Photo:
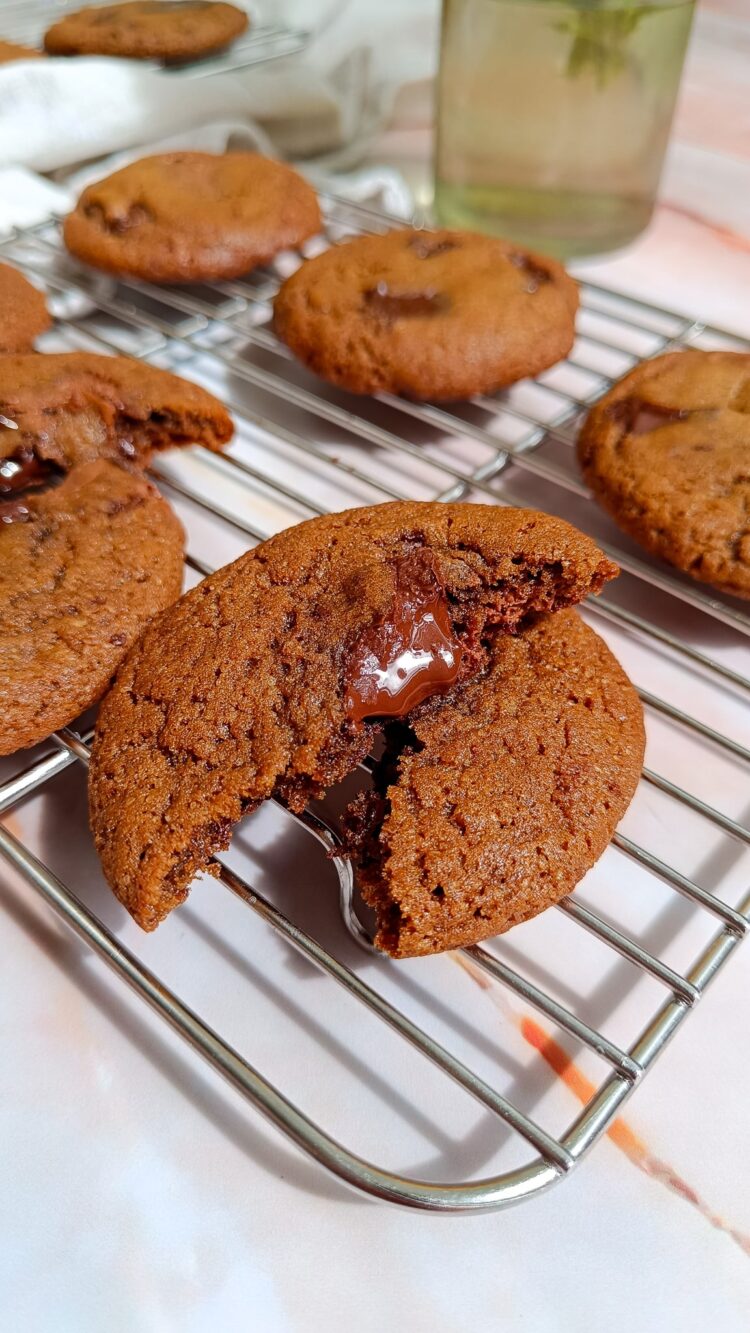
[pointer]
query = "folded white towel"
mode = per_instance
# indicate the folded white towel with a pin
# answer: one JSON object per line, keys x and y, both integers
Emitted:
{"x": 57, "y": 112}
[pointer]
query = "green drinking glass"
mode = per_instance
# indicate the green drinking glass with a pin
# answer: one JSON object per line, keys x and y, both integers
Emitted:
{"x": 553, "y": 117}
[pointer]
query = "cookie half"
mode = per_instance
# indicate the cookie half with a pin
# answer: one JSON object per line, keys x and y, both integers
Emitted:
{"x": 23, "y": 311}
{"x": 71, "y": 407}
{"x": 192, "y": 217}
{"x": 83, "y": 568}
{"x": 169, "y": 30}
{"x": 272, "y": 677}
{"x": 667, "y": 452}
{"x": 438, "y": 315}
{"x": 492, "y": 805}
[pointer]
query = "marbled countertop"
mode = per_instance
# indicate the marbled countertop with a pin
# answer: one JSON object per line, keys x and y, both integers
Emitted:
{"x": 139, "y": 1196}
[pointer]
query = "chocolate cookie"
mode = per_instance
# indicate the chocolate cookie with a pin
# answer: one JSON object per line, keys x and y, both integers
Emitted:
{"x": 72, "y": 407}
{"x": 493, "y": 806}
{"x": 192, "y": 217}
{"x": 89, "y": 550}
{"x": 24, "y": 311}
{"x": 439, "y": 315}
{"x": 13, "y": 51}
{"x": 667, "y": 451}
{"x": 274, "y": 675}
{"x": 169, "y": 30}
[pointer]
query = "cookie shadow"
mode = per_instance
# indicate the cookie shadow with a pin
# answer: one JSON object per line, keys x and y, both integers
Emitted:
{"x": 180, "y": 1072}
{"x": 283, "y": 869}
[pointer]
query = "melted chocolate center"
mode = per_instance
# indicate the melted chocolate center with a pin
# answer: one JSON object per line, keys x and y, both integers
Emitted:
{"x": 639, "y": 418}
{"x": 22, "y": 474}
{"x": 390, "y": 306}
{"x": 413, "y": 654}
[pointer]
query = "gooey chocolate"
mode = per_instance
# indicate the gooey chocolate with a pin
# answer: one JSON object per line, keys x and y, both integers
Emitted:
{"x": 401, "y": 661}
{"x": 20, "y": 474}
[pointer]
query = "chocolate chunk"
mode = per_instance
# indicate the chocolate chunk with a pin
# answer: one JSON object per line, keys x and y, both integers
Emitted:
{"x": 414, "y": 654}
{"x": 14, "y": 511}
{"x": 21, "y": 473}
{"x": 639, "y": 417}
{"x": 119, "y": 223}
{"x": 536, "y": 274}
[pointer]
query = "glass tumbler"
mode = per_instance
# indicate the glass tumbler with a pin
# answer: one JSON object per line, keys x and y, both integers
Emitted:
{"x": 553, "y": 117}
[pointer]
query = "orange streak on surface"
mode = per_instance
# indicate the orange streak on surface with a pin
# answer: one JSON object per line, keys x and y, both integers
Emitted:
{"x": 731, "y": 238}
{"x": 558, "y": 1059}
{"x": 620, "y": 1133}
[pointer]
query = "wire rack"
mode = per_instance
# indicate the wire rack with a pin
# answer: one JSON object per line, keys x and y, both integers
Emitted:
{"x": 302, "y": 449}
{"x": 26, "y": 21}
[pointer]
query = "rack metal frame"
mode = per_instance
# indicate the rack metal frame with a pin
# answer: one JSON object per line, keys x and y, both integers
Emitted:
{"x": 185, "y": 327}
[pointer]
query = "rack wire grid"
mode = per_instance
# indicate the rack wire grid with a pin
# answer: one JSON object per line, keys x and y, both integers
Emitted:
{"x": 303, "y": 448}
{"x": 26, "y": 21}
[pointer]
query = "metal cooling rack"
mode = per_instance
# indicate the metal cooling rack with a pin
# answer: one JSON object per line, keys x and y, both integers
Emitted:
{"x": 26, "y": 21}
{"x": 320, "y": 449}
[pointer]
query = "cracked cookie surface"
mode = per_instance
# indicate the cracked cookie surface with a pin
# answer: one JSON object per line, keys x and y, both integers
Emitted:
{"x": 89, "y": 549}
{"x": 169, "y": 30}
{"x": 440, "y": 315}
{"x": 667, "y": 452}
{"x": 94, "y": 560}
{"x": 241, "y": 691}
{"x": 192, "y": 217}
{"x": 23, "y": 311}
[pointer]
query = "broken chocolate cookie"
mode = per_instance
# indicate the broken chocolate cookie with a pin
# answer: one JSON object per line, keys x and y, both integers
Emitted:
{"x": 275, "y": 676}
